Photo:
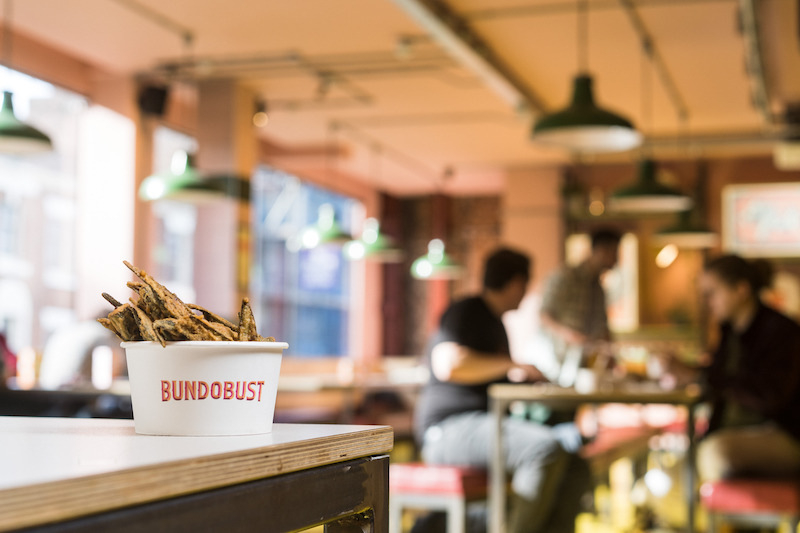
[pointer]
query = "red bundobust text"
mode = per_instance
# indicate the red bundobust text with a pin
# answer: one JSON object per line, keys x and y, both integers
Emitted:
{"x": 216, "y": 390}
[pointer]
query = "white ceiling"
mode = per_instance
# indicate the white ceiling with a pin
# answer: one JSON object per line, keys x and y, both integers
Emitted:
{"x": 435, "y": 114}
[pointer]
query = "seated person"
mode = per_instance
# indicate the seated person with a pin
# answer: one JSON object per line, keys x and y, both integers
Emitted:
{"x": 753, "y": 380}
{"x": 468, "y": 353}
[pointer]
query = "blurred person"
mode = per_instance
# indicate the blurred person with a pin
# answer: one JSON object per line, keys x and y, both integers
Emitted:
{"x": 469, "y": 352}
{"x": 67, "y": 355}
{"x": 573, "y": 310}
{"x": 753, "y": 379}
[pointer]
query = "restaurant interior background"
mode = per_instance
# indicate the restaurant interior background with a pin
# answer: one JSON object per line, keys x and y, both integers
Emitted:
{"x": 416, "y": 112}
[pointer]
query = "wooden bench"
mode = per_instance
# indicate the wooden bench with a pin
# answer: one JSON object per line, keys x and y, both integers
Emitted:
{"x": 752, "y": 502}
{"x": 434, "y": 487}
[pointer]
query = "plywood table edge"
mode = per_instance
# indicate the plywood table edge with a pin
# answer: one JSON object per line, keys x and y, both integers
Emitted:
{"x": 67, "y": 499}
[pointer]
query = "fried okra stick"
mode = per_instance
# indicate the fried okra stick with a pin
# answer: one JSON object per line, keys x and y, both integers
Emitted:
{"x": 123, "y": 318}
{"x": 247, "y": 323}
{"x": 159, "y": 301}
{"x": 211, "y": 317}
{"x": 146, "y": 329}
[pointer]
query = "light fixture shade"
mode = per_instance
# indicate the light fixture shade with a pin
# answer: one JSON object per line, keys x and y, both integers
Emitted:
{"x": 687, "y": 234}
{"x": 325, "y": 231}
{"x": 373, "y": 245}
{"x": 647, "y": 195}
{"x": 436, "y": 264}
{"x": 183, "y": 183}
{"x": 585, "y": 127}
{"x": 16, "y": 137}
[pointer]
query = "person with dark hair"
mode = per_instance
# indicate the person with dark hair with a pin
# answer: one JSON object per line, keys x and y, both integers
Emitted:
{"x": 753, "y": 380}
{"x": 469, "y": 352}
{"x": 573, "y": 309}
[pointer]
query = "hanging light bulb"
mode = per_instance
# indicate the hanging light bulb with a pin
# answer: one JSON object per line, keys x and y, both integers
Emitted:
{"x": 666, "y": 256}
{"x": 436, "y": 264}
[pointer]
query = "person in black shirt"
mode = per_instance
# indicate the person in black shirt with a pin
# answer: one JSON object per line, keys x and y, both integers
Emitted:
{"x": 469, "y": 352}
{"x": 753, "y": 380}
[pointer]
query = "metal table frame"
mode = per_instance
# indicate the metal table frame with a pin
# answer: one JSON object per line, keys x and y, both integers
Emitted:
{"x": 502, "y": 395}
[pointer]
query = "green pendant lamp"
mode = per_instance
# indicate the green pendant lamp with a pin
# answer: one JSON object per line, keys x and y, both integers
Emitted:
{"x": 373, "y": 245}
{"x": 326, "y": 230}
{"x": 585, "y": 127}
{"x": 16, "y": 137}
{"x": 688, "y": 233}
{"x": 647, "y": 195}
{"x": 436, "y": 264}
{"x": 183, "y": 183}
{"x": 691, "y": 231}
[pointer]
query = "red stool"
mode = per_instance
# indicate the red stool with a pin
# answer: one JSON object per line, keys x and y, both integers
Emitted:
{"x": 434, "y": 487}
{"x": 752, "y": 502}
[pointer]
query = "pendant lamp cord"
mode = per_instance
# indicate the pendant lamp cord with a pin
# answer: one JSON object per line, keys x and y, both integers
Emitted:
{"x": 7, "y": 12}
{"x": 583, "y": 37}
{"x": 647, "y": 93}
{"x": 375, "y": 151}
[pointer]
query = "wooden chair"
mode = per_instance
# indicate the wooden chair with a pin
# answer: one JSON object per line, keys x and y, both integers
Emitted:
{"x": 752, "y": 502}
{"x": 434, "y": 488}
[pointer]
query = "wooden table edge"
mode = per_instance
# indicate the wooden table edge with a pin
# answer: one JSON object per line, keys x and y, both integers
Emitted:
{"x": 55, "y": 501}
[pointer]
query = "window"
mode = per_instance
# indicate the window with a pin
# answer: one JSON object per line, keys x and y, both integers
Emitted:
{"x": 302, "y": 295}
{"x": 38, "y": 214}
{"x": 176, "y": 221}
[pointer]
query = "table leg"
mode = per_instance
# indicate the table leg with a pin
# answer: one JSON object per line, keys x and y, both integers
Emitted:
{"x": 497, "y": 470}
{"x": 690, "y": 470}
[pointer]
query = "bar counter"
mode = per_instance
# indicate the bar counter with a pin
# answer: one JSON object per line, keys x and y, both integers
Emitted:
{"x": 59, "y": 474}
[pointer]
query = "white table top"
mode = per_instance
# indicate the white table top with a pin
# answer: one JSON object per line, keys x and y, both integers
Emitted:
{"x": 57, "y": 468}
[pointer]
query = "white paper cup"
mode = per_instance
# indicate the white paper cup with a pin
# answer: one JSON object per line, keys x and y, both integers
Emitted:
{"x": 203, "y": 387}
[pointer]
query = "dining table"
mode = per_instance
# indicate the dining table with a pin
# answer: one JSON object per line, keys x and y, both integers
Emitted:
{"x": 502, "y": 395}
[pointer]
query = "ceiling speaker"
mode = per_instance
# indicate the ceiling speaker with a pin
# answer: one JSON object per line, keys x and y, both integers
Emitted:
{"x": 153, "y": 99}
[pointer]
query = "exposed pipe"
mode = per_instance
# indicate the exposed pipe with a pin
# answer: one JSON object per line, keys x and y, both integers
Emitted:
{"x": 553, "y": 8}
{"x": 454, "y": 34}
{"x": 165, "y": 22}
{"x": 755, "y": 59}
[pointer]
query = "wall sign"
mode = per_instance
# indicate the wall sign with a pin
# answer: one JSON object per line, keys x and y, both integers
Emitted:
{"x": 762, "y": 220}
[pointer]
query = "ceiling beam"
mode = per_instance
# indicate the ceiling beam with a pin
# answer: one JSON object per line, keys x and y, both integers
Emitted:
{"x": 455, "y": 35}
